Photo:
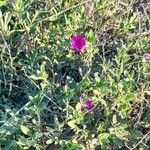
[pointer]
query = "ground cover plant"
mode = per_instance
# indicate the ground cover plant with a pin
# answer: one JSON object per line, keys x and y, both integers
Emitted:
{"x": 74, "y": 74}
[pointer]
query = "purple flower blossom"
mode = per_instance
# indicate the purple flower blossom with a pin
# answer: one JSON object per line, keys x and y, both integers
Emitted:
{"x": 90, "y": 8}
{"x": 77, "y": 42}
{"x": 147, "y": 57}
{"x": 87, "y": 105}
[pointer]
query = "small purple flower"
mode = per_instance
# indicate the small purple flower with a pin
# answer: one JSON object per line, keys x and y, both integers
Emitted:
{"x": 147, "y": 57}
{"x": 87, "y": 105}
{"x": 90, "y": 8}
{"x": 77, "y": 42}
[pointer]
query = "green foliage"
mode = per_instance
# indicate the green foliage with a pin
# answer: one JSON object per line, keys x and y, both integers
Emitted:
{"x": 43, "y": 82}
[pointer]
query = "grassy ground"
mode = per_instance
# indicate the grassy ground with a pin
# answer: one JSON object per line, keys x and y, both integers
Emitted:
{"x": 43, "y": 82}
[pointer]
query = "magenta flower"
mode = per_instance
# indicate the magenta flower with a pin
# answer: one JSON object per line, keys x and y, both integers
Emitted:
{"x": 87, "y": 105}
{"x": 77, "y": 42}
{"x": 147, "y": 57}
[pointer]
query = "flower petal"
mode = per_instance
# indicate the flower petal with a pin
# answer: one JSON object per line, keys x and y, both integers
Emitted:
{"x": 77, "y": 42}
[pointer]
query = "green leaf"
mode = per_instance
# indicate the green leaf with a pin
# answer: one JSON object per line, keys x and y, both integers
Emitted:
{"x": 136, "y": 134}
{"x": 72, "y": 124}
{"x": 2, "y": 3}
{"x": 119, "y": 142}
{"x": 37, "y": 135}
{"x": 33, "y": 77}
{"x": 50, "y": 141}
{"x": 104, "y": 135}
{"x": 114, "y": 119}
{"x": 133, "y": 18}
{"x": 24, "y": 129}
{"x": 104, "y": 138}
{"x": 78, "y": 106}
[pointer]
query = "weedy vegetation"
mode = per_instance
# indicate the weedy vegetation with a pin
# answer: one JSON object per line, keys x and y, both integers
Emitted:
{"x": 74, "y": 74}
